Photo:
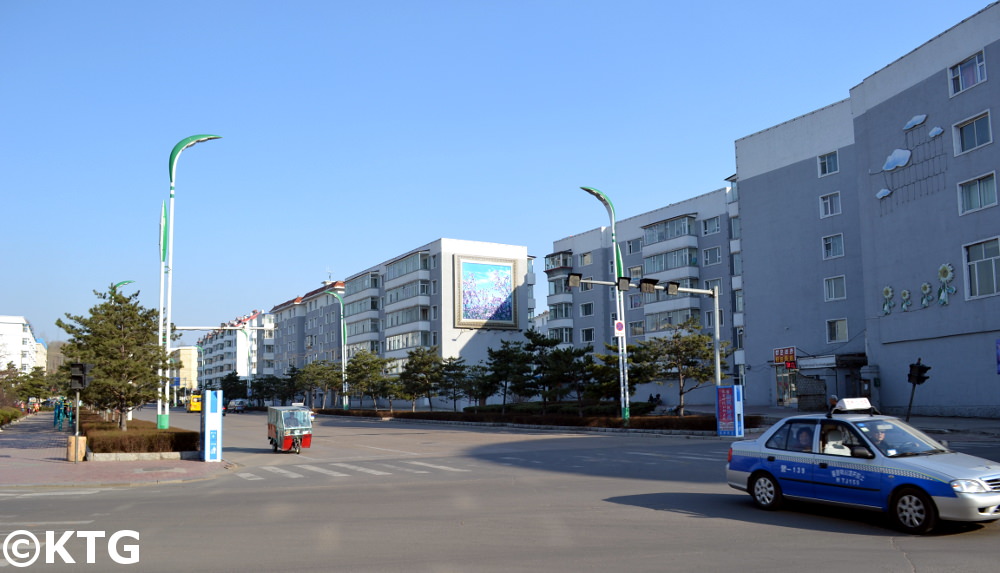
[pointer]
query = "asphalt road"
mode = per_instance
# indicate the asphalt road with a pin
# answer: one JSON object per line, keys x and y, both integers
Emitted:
{"x": 391, "y": 496}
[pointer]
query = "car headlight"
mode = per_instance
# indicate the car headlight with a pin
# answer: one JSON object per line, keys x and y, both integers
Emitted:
{"x": 969, "y": 486}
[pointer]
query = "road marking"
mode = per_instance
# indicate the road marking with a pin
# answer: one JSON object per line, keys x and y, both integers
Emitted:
{"x": 250, "y": 477}
{"x": 393, "y": 451}
{"x": 400, "y": 469}
{"x": 281, "y": 471}
{"x": 323, "y": 471}
{"x": 362, "y": 470}
{"x": 445, "y": 468}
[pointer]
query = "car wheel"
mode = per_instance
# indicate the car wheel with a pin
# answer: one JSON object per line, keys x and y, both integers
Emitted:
{"x": 765, "y": 491}
{"x": 913, "y": 511}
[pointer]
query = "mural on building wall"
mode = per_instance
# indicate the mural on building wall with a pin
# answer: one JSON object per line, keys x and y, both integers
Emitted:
{"x": 946, "y": 274}
{"x": 485, "y": 290}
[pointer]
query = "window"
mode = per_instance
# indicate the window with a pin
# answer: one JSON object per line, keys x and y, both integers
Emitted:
{"x": 710, "y": 284}
{"x": 828, "y": 164}
{"x": 587, "y": 286}
{"x": 967, "y": 74}
{"x": 668, "y": 230}
{"x": 833, "y": 246}
{"x": 587, "y": 335}
{"x": 560, "y": 311}
{"x": 829, "y": 205}
{"x": 836, "y": 330}
{"x": 662, "y": 320}
{"x": 587, "y": 309}
{"x": 983, "y": 260}
{"x": 665, "y": 261}
{"x": 737, "y": 259}
{"x": 710, "y": 318}
{"x": 558, "y": 286}
{"x": 635, "y": 272}
{"x": 735, "y": 230}
{"x": 633, "y": 246}
{"x": 710, "y": 226}
{"x": 635, "y": 328}
{"x": 712, "y": 256}
{"x": 738, "y": 300}
{"x": 586, "y": 259}
{"x": 834, "y": 288}
{"x": 563, "y": 335}
{"x": 978, "y": 194}
{"x": 973, "y": 133}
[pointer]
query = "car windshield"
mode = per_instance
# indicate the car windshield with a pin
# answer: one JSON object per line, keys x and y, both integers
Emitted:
{"x": 895, "y": 438}
{"x": 296, "y": 419}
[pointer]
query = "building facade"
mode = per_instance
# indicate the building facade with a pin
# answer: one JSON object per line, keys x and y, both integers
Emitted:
{"x": 872, "y": 238}
{"x": 690, "y": 243}
{"x": 463, "y": 297}
{"x": 18, "y": 344}
{"x": 244, "y": 345}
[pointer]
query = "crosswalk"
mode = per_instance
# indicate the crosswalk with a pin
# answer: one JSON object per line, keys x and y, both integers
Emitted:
{"x": 345, "y": 470}
{"x": 341, "y": 470}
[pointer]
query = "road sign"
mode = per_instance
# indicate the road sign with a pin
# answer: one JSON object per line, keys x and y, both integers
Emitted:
{"x": 619, "y": 328}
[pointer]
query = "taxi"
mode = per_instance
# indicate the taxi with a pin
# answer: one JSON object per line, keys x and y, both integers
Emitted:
{"x": 854, "y": 457}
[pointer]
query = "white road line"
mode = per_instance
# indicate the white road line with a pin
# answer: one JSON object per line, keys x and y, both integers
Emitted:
{"x": 250, "y": 477}
{"x": 445, "y": 468}
{"x": 401, "y": 469}
{"x": 393, "y": 451}
{"x": 362, "y": 470}
{"x": 323, "y": 471}
{"x": 281, "y": 471}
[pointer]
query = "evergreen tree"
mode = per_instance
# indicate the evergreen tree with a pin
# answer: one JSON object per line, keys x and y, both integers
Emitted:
{"x": 454, "y": 379}
{"x": 509, "y": 366}
{"x": 479, "y": 385}
{"x": 366, "y": 375}
{"x": 322, "y": 374}
{"x": 684, "y": 356}
{"x": 119, "y": 338}
{"x": 421, "y": 374}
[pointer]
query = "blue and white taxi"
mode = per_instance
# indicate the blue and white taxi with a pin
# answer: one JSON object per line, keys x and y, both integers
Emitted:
{"x": 855, "y": 458}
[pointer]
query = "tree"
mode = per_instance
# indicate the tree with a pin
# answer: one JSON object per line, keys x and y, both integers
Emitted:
{"x": 606, "y": 377}
{"x": 232, "y": 386}
{"x": 509, "y": 365}
{"x": 265, "y": 388}
{"x": 479, "y": 385}
{"x": 684, "y": 355}
{"x": 540, "y": 349}
{"x": 366, "y": 375}
{"x": 119, "y": 338}
{"x": 454, "y": 376}
{"x": 421, "y": 374}
{"x": 567, "y": 371}
{"x": 321, "y": 374}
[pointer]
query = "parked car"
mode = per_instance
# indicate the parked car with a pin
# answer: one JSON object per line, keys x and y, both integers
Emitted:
{"x": 237, "y": 405}
{"x": 854, "y": 457}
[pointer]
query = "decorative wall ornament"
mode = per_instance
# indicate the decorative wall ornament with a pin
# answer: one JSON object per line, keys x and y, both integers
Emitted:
{"x": 917, "y": 120}
{"x": 887, "y": 304}
{"x": 946, "y": 274}
{"x": 926, "y": 295}
{"x": 898, "y": 158}
{"x": 905, "y": 295}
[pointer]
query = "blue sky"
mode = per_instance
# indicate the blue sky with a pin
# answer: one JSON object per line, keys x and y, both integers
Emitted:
{"x": 354, "y": 131}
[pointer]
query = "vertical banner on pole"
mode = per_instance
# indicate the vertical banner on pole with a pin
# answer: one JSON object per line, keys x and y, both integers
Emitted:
{"x": 729, "y": 410}
{"x": 211, "y": 426}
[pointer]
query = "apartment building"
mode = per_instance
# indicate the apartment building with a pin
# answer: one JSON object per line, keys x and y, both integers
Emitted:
{"x": 244, "y": 345}
{"x": 690, "y": 243}
{"x": 18, "y": 344}
{"x": 463, "y": 297}
{"x": 871, "y": 236}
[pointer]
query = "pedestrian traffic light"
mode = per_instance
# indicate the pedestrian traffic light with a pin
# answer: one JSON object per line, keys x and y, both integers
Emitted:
{"x": 918, "y": 373}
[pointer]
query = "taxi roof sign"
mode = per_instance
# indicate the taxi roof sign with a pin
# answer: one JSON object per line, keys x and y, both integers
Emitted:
{"x": 853, "y": 405}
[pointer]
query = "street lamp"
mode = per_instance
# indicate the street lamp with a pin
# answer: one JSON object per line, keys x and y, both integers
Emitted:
{"x": 166, "y": 269}
{"x": 337, "y": 292}
{"x": 618, "y": 273}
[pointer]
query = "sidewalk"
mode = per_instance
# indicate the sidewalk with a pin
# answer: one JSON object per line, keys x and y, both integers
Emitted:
{"x": 33, "y": 453}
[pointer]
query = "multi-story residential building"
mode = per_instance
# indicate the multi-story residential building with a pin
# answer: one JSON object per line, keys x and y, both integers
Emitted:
{"x": 689, "y": 243}
{"x": 186, "y": 377}
{"x": 462, "y": 297}
{"x": 244, "y": 345}
{"x": 871, "y": 235}
{"x": 18, "y": 344}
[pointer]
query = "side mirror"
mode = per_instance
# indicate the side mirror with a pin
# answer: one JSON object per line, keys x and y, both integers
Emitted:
{"x": 861, "y": 452}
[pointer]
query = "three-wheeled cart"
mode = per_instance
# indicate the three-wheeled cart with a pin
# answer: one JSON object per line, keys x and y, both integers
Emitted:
{"x": 289, "y": 428}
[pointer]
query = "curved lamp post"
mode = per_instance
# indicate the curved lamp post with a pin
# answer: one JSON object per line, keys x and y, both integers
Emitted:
{"x": 616, "y": 255}
{"x": 123, "y": 283}
{"x": 338, "y": 293}
{"x": 166, "y": 269}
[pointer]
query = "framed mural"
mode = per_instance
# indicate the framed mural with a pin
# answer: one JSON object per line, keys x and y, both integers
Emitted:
{"x": 485, "y": 292}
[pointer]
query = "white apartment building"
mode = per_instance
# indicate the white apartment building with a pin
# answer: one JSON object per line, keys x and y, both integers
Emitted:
{"x": 18, "y": 344}
{"x": 244, "y": 345}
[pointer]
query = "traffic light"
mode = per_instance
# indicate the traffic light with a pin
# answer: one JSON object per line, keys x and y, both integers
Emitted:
{"x": 574, "y": 280}
{"x": 918, "y": 373}
{"x": 647, "y": 286}
{"x": 791, "y": 365}
{"x": 79, "y": 375}
{"x": 624, "y": 283}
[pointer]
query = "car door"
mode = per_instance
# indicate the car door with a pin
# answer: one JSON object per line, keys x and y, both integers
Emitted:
{"x": 789, "y": 455}
{"x": 841, "y": 477}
